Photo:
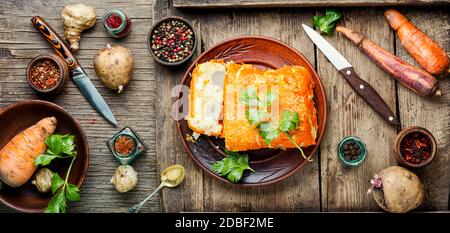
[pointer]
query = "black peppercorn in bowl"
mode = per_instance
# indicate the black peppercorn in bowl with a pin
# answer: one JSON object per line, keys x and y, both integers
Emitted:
{"x": 172, "y": 41}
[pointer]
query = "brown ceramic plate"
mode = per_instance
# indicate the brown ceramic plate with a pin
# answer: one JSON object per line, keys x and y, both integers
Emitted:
{"x": 21, "y": 115}
{"x": 271, "y": 166}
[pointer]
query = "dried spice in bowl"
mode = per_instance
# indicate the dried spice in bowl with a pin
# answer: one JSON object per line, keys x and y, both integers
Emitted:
{"x": 172, "y": 41}
{"x": 45, "y": 74}
{"x": 416, "y": 148}
{"x": 124, "y": 145}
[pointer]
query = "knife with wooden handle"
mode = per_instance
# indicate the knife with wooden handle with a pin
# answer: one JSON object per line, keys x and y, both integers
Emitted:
{"x": 79, "y": 77}
{"x": 365, "y": 90}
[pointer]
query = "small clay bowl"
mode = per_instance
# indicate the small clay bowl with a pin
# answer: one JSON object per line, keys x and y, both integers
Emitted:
{"x": 156, "y": 25}
{"x": 62, "y": 82}
{"x": 361, "y": 156}
{"x": 399, "y": 138}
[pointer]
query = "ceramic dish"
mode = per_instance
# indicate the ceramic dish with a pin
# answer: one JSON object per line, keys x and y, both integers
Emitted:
{"x": 62, "y": 82}
{"x": 271, "y": 166}
{"x": 21, "y": 115}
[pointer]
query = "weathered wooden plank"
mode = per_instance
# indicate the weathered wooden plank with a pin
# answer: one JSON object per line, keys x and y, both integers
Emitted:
{"x": 344, "y": 189}
{"x": 169, "y": 151}
{"x": 432, "y": 114}
{"x": 134, "y": 107}
{"x": 300, "y": 3}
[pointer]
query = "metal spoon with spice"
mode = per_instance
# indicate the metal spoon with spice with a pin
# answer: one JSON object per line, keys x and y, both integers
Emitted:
{"x": 170, "y": 177}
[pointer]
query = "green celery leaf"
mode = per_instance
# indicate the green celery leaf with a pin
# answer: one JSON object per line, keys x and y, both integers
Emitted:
{"x": 72, "y": 192}
{"x": 57, "y": 204}
{"x": 57, "y": 182}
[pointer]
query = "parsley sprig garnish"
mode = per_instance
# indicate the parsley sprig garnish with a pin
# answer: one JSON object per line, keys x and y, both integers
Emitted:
{"x": 60, "y": 146}
{"x": 233, "y": 166}
{"x": 258, "y": 116}
{"x": 326, "y": 23}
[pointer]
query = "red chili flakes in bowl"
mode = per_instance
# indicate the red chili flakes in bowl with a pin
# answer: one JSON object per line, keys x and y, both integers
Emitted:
{"x": 416, "y": 148}
{"x": 45, "y": 74}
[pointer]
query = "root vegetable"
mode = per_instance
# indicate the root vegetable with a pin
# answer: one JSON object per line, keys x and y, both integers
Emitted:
{"x": 17, "y": 157}
{"x": 422, "y": 48}
{"x": 43, "y": 180}
{"x": 124, "y": 178}
{"x": 401, "y": 190}
{"x": 114, "y": 66}
{"x": 414, "y": 78}
{"x": 76, "y": 19}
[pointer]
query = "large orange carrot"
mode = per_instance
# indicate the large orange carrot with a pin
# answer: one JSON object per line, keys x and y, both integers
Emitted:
{"x": 17, "y": 157}
{"x": 412, "y": 77}
{"x": 426, "y": 52}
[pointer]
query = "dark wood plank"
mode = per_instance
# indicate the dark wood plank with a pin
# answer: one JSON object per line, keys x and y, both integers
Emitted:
{"x": 300, "y": 3}
{"x": 169, "y": 151}
{"x": 433, "y": 113}
{"x": 343, "y": 188}
{"x": 19, "y": 42}
{"x": 300, "y": 192}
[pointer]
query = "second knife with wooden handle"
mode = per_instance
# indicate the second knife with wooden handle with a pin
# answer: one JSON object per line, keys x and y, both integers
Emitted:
{"x": 367, "y": 92}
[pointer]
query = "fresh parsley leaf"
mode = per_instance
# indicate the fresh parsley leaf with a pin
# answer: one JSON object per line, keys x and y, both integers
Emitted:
{"x": 58, "y": 146}
{"x": 57, "y": 204}
{"x": 288, "y": 121}
{"x": 270, "y": 97}
{"x": 268, "y": 132}
{"x": 57, "y": 182}
{"x": 72, "y": 192}
{"x": 44, "y": 159}
{"x": 232, "y": 166}
{"x": 256, "y": 116}
{"x": 249, "y": 97}
{"x": 326, "y": 23}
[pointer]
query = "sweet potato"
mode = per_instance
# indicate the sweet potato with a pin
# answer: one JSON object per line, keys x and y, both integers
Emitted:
{"x": 17, "y": 157}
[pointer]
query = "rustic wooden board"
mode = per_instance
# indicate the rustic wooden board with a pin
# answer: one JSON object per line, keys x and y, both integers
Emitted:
{"x": 201, "y": 191}
{"x": 432, "y": 114}
{"x": 300, "y": 3}
{"x": 344, "y": 188}
{"x": 20, "y": 42}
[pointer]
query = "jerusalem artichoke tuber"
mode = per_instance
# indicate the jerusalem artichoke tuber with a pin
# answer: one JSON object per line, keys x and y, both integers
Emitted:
{"x": 76, "y": 19}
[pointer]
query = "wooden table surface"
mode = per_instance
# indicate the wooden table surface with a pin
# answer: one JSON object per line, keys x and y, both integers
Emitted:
{"x": 145, "y": 105}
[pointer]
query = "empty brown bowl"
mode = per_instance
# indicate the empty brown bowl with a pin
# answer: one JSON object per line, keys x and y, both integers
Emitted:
{"x": 407, "y": 132}
{"x": 21, "y": 115}
{"x": 62, "y": 81}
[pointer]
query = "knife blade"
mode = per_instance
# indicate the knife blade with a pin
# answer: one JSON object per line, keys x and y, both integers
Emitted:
{"x": 364, "y": 89}
{"x": 78, "y": 75}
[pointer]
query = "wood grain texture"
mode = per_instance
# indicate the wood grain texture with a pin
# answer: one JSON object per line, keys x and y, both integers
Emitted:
{"x": 20, "y": 42}
{"x": 201, "y": 191}
{"x": 299, "y": 3}
{"x": 344, "y": 188}
{"x": 430, "y": 113}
